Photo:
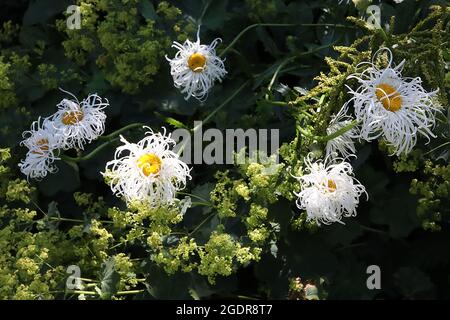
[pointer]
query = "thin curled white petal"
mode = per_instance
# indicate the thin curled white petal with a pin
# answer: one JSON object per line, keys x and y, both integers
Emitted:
{"x": 191, "y": 83}
{"x": 128, "y": 180}
{"x": 400, "y": 128}
{"x": 321, "y": 204}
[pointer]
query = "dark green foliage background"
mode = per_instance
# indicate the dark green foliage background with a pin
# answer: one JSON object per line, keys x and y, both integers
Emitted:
{"x": 415, "y": 263}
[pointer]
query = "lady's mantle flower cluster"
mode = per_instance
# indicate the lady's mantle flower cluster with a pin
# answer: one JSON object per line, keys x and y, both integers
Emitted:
{"x": 73, "y": 125}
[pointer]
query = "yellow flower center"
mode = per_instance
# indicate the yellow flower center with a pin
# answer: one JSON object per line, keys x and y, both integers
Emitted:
{"x": 197, "y": 62}
{"x": 43, "y": 146}
{"x": 331, "y": 186}
{"x": 72, "y": 117}
{"x": 389, "y": 97}
{"x": 149, "y": 163}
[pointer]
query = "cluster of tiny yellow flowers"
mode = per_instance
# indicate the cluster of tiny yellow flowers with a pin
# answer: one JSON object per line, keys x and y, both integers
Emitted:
{"x": 117, "y": 53}
{"x": 38, "y": 244}
{"x": 434, "y": 192}
{"x": 219, "y": 254}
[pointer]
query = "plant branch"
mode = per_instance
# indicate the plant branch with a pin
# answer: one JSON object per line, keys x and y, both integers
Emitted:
{"x": 119, "y": 131}
{"x": 90, "y": 155}
{"x": 232, "y": 43}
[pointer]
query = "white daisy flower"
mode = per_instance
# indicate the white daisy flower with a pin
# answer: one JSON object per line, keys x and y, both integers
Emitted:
{"x": 394, "y": 107}
{"x": 42, "y": 144}
{"x": 329, "y": 192}
{"x": 342, "y": 145}
{"x": 195, "y": 67}
{"x": 78, "y": 123}
{"x": 150, "y": 171}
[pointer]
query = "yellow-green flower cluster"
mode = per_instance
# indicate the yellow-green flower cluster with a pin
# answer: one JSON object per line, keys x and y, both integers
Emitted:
{"x": 219, "y": 254}
{"x": 27, "y": 261}
{"x": 434, "y": 193}
{"x": 114, "y": 32}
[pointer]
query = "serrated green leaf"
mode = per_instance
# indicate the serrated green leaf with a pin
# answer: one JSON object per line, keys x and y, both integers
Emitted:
{"x": 109, "y": 279}
{"x": 147, "y": 10}
{"x": 40, "y": 11}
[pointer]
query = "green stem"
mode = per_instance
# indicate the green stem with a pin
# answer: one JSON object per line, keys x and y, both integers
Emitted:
{"x": 125, "y": 241}
{"x": 179, "y": 234}
{"x": 275, "y": 74}
{"x": 206, "y": 204}
{"x": 193, "y": 195}
{"x": 92, "y": 293}
{"x": 278, "y": 103}
{"x": 204, "y": 12}
{"x": 287, "y": 60}
{"x": 76, "y": 220}
{"x": 334, "y": 25}
{"x": 297, "y": 66}
{"x": 180, "y": 151}
{"x": 223, "y": 104}
{"x": 90, "y": 155}
{"x": 384, "y": 35}
{"x": 372, "y": 229}
{"x": 119, "y": 131}
{"x": 381, "y": 30}
{"x": 122, "y": 293}
{"x": 249, "y": 28}
{"x": 201, "y": 224}
{"x": 46, "y": 263}
{"x": 438, "y": 147}
{"x": 306, "y": 133}
{"x": 118, "y": 245}
{"x": 339, "y": 132}
{"x": 232, "y": 43}
{"x": 246, "y": 297}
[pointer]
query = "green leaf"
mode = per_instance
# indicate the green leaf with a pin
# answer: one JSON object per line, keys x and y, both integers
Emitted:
{"x": 29, "y": 35}
{"x": 163, "y": 286}
{"x": 109, "y": 279}
{"x": 269, "y": 43}
{"x": 52, "y": 212}
{"x": 215, "y": 15}
{"x": 270, "y": 274}
{"x": 146, "y": 9}
{"x": 40, "y": 11}
{"x": 343, "y": 234}
{"x": 203, "y": 190}
{"x": 397, "y": 209}
{"x": 97, "y": 83}
{"x": 172, "y": 121}
{"x": 414, "y": 283}
{"x": 65, "y": 179}
{"x": 199, "y": 287}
